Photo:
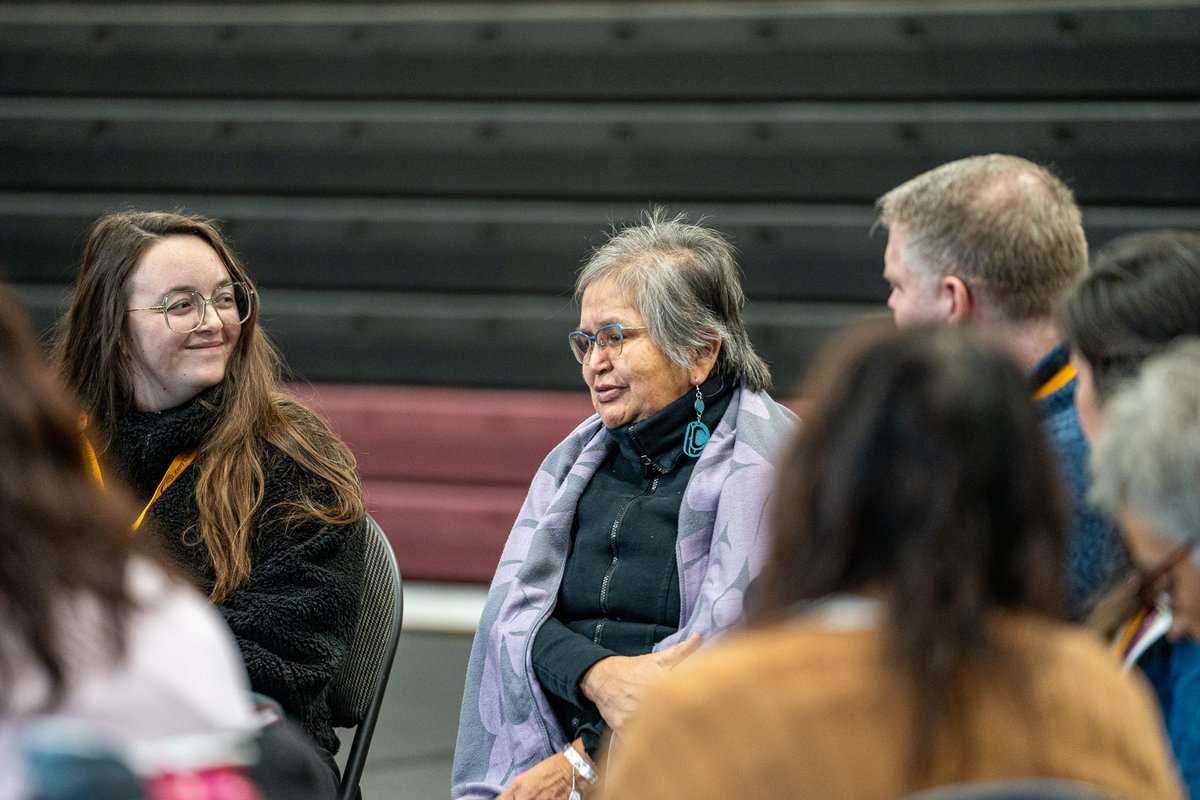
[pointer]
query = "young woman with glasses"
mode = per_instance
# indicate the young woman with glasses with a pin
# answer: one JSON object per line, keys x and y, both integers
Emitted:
{"x": 641, "y": 531}
{"x": 245, "y": 489}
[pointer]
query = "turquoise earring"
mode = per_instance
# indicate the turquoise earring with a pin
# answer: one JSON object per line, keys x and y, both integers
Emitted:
{"x": 696, "y": 435}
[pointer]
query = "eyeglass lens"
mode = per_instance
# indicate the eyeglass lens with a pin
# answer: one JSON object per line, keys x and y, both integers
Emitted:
{"x": 608, "y": 337}
{"x": 185, "y": 310}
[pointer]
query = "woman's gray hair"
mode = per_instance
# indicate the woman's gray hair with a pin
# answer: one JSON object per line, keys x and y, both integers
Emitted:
{"x": 1148, "y": 453}
{"x": 685, "y": 282}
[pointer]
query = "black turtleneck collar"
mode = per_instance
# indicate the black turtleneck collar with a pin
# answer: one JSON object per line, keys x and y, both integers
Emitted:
{"x": 657, "y": 442}
{"x": 145, "y": 442}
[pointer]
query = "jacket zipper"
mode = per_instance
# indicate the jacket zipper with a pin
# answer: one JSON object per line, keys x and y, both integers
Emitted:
{"x": 612, "y": 543}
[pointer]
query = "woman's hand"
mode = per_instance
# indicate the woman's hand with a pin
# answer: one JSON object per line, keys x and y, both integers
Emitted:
{"x": 549, "y": 779}
{"x": 617, "y": 684}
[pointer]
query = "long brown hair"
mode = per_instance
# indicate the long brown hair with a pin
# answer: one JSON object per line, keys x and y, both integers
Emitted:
{"x": 921, "y": 475}
{"x": 61, "y": 537}
{"x": 90, "y": 347}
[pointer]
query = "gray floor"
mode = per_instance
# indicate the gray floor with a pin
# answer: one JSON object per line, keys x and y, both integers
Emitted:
{"x": 414, "y": 741}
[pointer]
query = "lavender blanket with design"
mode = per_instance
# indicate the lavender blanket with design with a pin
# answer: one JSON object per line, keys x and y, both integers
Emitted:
{"x": 506, "y": 724}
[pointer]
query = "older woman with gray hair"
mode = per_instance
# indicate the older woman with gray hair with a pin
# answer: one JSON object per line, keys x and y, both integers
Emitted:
{"x": 1146, "y": 466}
{"x": 641, "y": 530}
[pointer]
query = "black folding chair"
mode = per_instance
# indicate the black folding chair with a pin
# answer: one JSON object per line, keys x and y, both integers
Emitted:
{"x": 357, "y": 694}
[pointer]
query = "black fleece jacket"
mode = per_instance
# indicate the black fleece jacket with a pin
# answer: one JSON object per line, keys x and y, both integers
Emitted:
{"x": 294, "y": 617}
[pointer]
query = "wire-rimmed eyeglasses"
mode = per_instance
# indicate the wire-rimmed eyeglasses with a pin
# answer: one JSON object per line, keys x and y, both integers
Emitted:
{"x": 609, "y": 338}
{"x": 184, "y": 311}
{"x": 1150, "y": 579}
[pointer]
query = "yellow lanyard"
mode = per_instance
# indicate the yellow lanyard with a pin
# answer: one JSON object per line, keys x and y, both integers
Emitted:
{"x": 90, "y": 452}
{"x": 178, "y": 465}
{"x": 1056, "y": 382}
{"x": 1129, "y": 632}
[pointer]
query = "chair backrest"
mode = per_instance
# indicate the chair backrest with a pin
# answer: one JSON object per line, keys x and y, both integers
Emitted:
{"x": 357, "y": 693}
{"x": 1016, "y": 789}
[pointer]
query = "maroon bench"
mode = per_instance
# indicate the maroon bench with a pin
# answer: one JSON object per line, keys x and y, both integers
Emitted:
{"x": 445, "y": 470}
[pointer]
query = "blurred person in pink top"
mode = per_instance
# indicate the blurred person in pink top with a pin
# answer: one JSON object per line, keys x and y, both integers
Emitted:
{"x": 95, "y": 635}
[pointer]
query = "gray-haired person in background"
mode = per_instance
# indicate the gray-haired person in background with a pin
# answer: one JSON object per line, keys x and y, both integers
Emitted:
{"x": 641, "y": 530}
{"x": 1146, "y": 467}
{"x": 994, "y": 242}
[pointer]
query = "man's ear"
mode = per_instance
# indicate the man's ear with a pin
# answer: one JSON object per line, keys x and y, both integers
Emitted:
{"x": 962, "y": 302}
{"x": 703, "y": 361}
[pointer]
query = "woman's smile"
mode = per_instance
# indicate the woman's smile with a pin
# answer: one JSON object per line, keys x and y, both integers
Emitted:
{"x": 170, "y": 368}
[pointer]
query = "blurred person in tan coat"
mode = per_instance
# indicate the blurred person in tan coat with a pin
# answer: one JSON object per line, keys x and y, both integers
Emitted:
{"x": 904, "y": 633}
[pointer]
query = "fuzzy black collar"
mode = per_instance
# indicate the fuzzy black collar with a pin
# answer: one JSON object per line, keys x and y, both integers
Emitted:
{"x": 145, "y": 442}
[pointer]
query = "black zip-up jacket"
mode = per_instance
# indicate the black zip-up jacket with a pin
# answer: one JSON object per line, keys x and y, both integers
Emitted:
{"x": 620, "y": 589}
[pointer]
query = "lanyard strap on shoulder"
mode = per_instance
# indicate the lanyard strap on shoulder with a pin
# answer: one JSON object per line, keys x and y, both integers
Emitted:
{"x": 178, "y": 465}
{"x": 89, "y": 452}
{"x": 1055, "y": 382}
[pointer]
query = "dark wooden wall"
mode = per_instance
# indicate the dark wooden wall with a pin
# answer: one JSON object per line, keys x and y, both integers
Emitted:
{"x": 413, "y": 186}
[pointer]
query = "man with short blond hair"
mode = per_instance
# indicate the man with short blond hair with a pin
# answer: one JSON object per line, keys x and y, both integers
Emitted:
{"x": 995, "y": 241}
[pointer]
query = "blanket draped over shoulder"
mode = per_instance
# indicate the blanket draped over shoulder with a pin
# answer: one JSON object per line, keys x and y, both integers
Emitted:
{"x": 506, "y": 724}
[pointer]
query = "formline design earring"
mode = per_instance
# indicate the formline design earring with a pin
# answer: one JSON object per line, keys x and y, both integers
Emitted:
{"x": 696, "y": 435}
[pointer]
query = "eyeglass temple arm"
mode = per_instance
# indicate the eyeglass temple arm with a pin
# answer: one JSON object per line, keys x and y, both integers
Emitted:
{"x": 1172, "y": 560}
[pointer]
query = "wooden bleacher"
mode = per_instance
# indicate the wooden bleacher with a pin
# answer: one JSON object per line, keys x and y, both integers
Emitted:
{"x": 414, "y": 184}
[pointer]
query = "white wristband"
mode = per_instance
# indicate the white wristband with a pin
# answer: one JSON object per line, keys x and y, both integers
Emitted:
{"x": 579, "y": 764}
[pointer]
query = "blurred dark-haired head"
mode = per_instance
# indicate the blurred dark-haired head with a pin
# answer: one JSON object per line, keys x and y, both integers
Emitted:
{"x": 922, "y": 474}
{"x": 61, "y": 535}
{"x": 922, "y": 479}
{"x": 1142, "y": 292}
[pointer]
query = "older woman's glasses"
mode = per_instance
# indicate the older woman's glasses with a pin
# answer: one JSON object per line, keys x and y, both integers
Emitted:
{"x": 609, "y": 338}
{"x": 184, "y": 311}
{"x": 1151, "y": 579}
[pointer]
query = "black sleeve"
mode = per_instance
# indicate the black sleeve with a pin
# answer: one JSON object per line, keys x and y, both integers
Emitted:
{"x": 561, "y": 656}
{"x": 294, "y": 618}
